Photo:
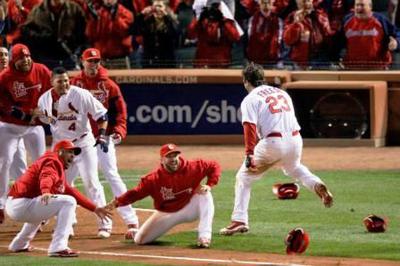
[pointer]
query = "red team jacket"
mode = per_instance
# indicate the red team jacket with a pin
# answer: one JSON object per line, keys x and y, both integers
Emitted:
{"x": 318, "y": 26}
{"x": 367, "y": 41}
{"x": 111, "y": 34}
{"x": 17, "y": 17}
{"x": 214, "y": 43}
{"x": 265, "y": 34}
{"x": 109, "y": 94}
{"x": 172, "y": 191}
{"x": 46, "y": 175}
{"x": 22, "y": 89}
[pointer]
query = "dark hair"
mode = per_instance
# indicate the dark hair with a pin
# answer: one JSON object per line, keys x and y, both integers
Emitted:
{"x": 58, "y": 71}
{"x": 254, "y": 74}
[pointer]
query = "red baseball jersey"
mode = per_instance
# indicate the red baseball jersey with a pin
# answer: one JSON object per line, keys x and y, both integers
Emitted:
{"x": 23, "y": 89}
{"x": 109, "y": 94}
{"x": 172, "y": 191}
{"x": 47, "y": 175}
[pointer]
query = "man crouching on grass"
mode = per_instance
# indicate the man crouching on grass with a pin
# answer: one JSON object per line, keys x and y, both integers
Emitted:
{"x": 178, "y": 196}
{"x": 41, "y": 193}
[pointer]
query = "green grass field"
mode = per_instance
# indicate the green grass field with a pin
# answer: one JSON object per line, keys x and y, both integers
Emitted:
{"x": 337, "y": 232}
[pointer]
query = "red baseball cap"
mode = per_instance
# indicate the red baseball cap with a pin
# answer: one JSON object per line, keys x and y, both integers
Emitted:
{"x": 18, "y": 51}
{"x": 91, "y": 53}
{"x": 168, "y": 149}
{"x": 66, "y": 145}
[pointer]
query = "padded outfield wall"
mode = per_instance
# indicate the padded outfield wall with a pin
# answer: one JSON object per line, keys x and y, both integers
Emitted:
{"x": 202, "y": 106}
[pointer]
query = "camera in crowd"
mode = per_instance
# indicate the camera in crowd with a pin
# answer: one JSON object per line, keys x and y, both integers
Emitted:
{"x": 212, "y": 11}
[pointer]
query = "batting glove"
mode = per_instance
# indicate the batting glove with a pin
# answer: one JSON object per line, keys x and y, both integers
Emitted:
{"x": 19, "y": 114}
{"x": 249, "y": 163}
{"x": 102, "y": 140}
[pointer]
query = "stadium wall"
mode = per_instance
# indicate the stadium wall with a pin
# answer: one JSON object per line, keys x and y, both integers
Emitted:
{"x": 201, "y": 106}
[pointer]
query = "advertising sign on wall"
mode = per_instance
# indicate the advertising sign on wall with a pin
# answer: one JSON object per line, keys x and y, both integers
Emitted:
{"x": 179, "y": 109}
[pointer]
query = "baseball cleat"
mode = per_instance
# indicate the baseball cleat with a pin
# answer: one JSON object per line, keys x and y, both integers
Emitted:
{"x": 233, "y": 228}
{"x": 203, "y": 242}
{"x": 66, "y": 253}
{"x": 30, "y": 248}
{"x": 132, "y": 231}
{"x": 104, "y": 233}
{"x": 326, "y": 196}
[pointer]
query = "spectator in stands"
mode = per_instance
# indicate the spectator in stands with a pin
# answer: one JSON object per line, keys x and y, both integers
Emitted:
{"x": 18, "y": 11}
{"x": 158, "y": 26}
{"x": 369, "y": 38}
{"x": 265, "y": 35}
{"x": 215, "y": 35}
{"x": 307, "y": 32}
{"x": 108, "y": 27}
{"x": 54, "y": 32}
{"x": 336, "y": 10}
{"x": 3, "y": 17}
{"x": 185, "y": 15}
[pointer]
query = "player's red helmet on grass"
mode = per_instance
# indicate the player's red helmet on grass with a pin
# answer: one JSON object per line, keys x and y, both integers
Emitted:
{"x": 375, "y": 224}
{"x": 296, "y": 241}
{"x": 286, "y": 191}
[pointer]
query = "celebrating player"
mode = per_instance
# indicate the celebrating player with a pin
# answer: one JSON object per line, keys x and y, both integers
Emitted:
{"x": 267, "y": 112}
{"x": 178, "y": 196}
{"x": 94, "y": 78}
{"x": 21, "y": 85}
{"x": 67, "y": 109}
{"x": 41, "y": 193}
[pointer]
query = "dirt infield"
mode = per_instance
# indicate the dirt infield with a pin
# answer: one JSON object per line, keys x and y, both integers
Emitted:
{"x": 146, "y": 157}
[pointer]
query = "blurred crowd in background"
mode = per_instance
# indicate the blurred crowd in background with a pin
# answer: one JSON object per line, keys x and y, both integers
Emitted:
{"x": 280, "y": 34}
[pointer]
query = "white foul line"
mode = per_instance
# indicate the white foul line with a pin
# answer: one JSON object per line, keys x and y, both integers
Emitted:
{"x": 233, "y": 261}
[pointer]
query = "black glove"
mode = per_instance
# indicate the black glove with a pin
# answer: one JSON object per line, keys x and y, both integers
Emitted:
{"x": 249, "y": 161}
{"x": 102, "y": 140}
{"x": 19, "y": 114}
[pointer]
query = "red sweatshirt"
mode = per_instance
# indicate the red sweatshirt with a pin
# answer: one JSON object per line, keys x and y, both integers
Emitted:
{"x": 109, "y": 94}
{"x": 172, "y": 191}
{"x": 47, "y": 175}
{"x": 22, "y": 89}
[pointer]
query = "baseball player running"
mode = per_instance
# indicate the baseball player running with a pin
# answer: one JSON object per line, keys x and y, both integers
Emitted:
{"x": 67, "y": 108}
{"x": 268, "y": 113}
{"x": 41, "y": 193}
{"x": 95, "y": 79}
{"x": 21, "y": 84}
{"x": 178, "y": 195}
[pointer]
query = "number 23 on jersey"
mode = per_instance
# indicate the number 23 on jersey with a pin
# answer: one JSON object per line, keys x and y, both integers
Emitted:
{"x": 278, "y": 104}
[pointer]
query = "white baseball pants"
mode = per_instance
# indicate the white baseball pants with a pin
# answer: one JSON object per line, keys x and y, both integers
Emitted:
{"x": 19, "y": 164}
{"x": 11, "y": 136}
{"x": 32, "y": 212}
{"x": 85, "y": 165}
{"x": 287, "y": 150}
{"x": 200, "y": 207}
{"x": 108, "y": 165}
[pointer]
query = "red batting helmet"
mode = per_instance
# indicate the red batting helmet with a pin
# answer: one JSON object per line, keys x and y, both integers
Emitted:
{"x": 296, "y": 241}
{"x": 286, "y": 191}
{"x": 375, "y": 224}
